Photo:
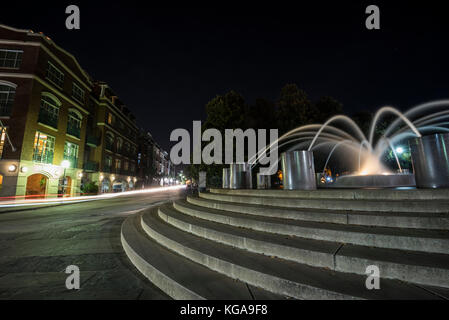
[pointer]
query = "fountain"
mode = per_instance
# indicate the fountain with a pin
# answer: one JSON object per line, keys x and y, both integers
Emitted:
{"x": 430, "y": 154}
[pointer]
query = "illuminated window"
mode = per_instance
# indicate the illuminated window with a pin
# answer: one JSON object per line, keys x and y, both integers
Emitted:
{"x": 10, "y": 58}
{"x": 111, "y": 119}
{"x": 44, "y": 147}
{"x": 54, "y": 75}
{"x": 7, "y": 94}
{"x": 2, "y": 141}
{"x": 1, "y": 180}
{"x": 118, "y": 164}
{"x": 126, "y": 165}
{"x": 71, "y": 153}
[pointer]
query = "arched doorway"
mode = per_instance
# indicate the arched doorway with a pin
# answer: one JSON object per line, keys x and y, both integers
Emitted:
{"x": 36, "y": 186}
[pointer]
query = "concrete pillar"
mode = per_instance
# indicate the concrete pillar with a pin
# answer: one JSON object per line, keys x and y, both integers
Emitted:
{"x": 226, "y": 178}
{"x": 237, "y": 176}
{"x": 263, "y": 182}
{"x": 430, "y": 158}
{"x": 298, "y": 170}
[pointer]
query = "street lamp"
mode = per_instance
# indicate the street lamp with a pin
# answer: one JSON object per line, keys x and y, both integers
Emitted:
{"x": 65, "y": 164}
{"x": 399, "y": 150}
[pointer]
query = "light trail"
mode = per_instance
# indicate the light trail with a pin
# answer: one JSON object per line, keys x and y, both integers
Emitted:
{"x": 55, "y": 201}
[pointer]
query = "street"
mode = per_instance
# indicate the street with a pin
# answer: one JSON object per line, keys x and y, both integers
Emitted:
{"x": 37, "y": 245}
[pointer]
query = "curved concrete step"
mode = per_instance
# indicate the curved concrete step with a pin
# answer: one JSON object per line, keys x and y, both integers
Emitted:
{"x": 434, "y": 221}
{"x": 353, "y": 194}
{"x": 177, "y": 276}
{"x": 440, "y": 206}
{"x": 273, "y": 274}
{"x": 434, "y": 241}
{"x": 421, "y": 268}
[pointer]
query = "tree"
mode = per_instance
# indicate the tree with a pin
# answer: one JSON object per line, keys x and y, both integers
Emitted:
{"x": 223, "y": 112}
{"x": 363, "y": 120}
{"x": 326, "y": 108}
{"x": 294, "y": 109}
{"x": 261, "y": 115}
{"x": 226, "y": 112}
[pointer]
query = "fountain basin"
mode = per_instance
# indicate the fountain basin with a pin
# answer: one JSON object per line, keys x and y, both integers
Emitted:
{"x": 373, "y": 181}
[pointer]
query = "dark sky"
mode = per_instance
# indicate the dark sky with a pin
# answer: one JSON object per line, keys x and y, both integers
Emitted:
{"x": 166, "y": 63}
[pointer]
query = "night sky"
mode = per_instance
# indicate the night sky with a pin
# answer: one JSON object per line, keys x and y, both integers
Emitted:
{"x": 167, "y": 63}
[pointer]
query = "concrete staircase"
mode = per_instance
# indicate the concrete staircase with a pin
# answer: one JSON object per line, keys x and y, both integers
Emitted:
{"x": 272, "y": 244}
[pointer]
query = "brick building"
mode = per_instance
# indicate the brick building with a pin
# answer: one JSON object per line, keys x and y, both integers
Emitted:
{"x": 65, "y": 128}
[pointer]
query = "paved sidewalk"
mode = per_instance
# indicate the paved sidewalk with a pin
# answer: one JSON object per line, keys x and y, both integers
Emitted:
{"x": 37, "y": 245}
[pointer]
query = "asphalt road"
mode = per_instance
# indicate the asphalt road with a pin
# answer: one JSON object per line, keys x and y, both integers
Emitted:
{"x": 36, "y": 246}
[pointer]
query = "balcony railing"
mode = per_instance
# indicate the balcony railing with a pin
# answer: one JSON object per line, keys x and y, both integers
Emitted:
{"x": 107, "y": 169}
{"x": 73, "y": 161}
{"x": 49, "y": 119}
{"x": 74, "y": 131}
{"x": 91, "y": 166}
{"x": 46, "y": 157}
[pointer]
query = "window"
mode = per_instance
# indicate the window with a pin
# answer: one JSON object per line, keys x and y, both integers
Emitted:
{"x": 133, "y": 152}
{"x": 71, "y": 153}
{"x": 49, "y": 112}
{"x": 111, "y": 119}
{"x": 107, "y": 164}
{"x": 74, "y": 124}
{"x": 119, "y": 145}
{"x": 44, "y": 147}
{"x": 125, "y": 165}
{"x": 2, "y": 141}
{"x": 109, "y": 141}
{"x": 7, "y": 94}
{"x": 78, "y": 93}
{"x": 118, "y": 164}
{"x": 54, "y": 75}
{"x": 133, "y": 167}
{"x": 10, "y": 58}
{"x": 121, "y": 125}
{"x": 126, "y": 148}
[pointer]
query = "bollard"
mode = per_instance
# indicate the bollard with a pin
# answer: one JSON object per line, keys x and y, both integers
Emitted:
{"x": 298, "y": 170}
{"x": 430, "y": 159}
{"x": 226, "y": 178}
{"x": 237, "y": 176}
{"x": 263, "y": 182}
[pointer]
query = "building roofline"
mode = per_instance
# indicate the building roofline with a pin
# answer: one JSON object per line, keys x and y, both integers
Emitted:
{"x": 49, "y": 41}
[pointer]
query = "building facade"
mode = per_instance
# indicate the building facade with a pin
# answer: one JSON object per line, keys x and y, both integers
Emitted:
{"x": 60, "y": 129}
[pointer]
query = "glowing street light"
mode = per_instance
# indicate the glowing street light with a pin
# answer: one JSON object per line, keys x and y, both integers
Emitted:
{"x": 399, "y": 150}
{"x": 65, "y": 164}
